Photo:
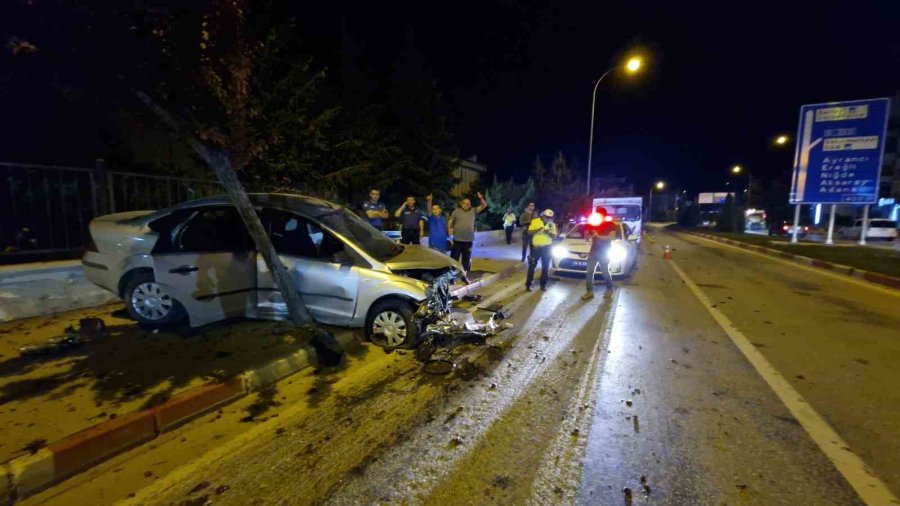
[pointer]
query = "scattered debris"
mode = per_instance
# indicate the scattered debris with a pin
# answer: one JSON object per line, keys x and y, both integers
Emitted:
{"x": 493, "y": 386}
{"x": 90, "y": 329}
{"x": 148, "y": 474}
{"x": 35, "y": 445}
{"x": 221, "y": 489}
{"x": 501, "y": 481}
{"x": 637, "y": 426}
{"x": 800, "y": 377}
{"x": 200, "y": 486}
{"x": 628, "y": 495}
{"x": 628, "y": 403}
{"x": 645, "y": 485}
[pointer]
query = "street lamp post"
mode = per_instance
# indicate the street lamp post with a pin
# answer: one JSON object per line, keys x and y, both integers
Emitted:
{"x": 659, "y": 185}
{"x": 631, "y": 66}
{"x": 737, "y": 169}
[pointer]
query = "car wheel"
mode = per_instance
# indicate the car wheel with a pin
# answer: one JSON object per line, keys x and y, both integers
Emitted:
{"x": 390, "y": 324}
{"x": 148, "y": 303}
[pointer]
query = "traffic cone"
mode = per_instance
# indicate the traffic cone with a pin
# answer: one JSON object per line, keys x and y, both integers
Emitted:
{"x": 667, "y": 254}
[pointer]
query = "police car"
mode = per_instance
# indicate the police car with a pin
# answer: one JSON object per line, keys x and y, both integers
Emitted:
{"x": 571, "y": 254}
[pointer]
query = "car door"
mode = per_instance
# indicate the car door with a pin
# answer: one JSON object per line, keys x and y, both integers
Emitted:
{"x": 208, "y": 264}
{"x": 318, "y": 265}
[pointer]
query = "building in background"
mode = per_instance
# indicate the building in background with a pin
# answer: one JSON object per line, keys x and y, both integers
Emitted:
{"x": 467, "y": 173}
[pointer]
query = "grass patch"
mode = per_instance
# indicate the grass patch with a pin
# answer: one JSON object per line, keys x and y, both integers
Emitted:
{"x": 882, "y": 261}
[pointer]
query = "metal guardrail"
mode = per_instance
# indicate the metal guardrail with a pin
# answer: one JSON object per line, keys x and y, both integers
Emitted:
{"x": 46, "y": 209}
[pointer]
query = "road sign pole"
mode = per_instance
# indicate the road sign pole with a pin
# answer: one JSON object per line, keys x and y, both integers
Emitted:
{"x": 829, "y": 240}
{"x": 796, "y": 223}
{"x": 865, "y": 225}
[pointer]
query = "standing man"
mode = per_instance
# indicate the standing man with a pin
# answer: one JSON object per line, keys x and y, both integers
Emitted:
{"x": 509, "y": 223}
{"x": 412, "y": 222}
{"x": 601, "y": 236}
{"x": 525, "y": 220}
{"x": 375, "y": 211}
{"x": 543, "y": 231}
{"x": 437, "y": 228}
{"x": 462, "y": 227}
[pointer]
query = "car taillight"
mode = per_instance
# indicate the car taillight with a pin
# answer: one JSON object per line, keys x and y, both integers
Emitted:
{"x": 785, "y": 228}
{"x": 805, "y": 229}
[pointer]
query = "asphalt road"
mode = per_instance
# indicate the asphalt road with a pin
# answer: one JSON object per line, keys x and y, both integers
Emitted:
{"x": 717, "y": 377}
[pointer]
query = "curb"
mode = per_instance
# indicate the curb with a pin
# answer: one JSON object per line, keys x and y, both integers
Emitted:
{"x": 28, "y": 474}
{"x": 488, "y": 280}
{"x": 872, "y": 277}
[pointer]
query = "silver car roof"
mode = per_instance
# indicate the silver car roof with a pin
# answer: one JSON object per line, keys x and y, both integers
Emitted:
{"x": 303, "y": 204}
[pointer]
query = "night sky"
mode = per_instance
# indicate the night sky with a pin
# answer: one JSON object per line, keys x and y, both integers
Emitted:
{"x": 516, "y": 79}
{"x": 721, "y": 82}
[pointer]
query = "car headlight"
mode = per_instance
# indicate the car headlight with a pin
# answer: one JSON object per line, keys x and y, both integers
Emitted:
{"x": 560, "y": 251}
{"x": 616, "y": 253}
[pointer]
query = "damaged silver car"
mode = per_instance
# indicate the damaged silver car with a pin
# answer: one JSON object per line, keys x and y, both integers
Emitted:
{"x": 195, "y": 264}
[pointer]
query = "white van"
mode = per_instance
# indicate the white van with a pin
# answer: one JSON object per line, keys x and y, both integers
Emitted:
{"x": 628, "y": 210}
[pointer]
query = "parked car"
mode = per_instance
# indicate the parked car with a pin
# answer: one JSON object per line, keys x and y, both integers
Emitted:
{"x": 878, "y": 229}
{"x": 195, "y": 263}
{"x": 787, "y": 228}
{"x": 571, "y": 254}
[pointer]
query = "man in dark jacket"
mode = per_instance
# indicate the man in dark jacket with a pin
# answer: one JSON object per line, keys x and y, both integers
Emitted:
{"x": 601, "y": 235}
{"x": 412, "y": 222}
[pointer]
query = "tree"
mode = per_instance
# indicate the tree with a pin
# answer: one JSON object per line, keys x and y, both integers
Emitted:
{"x": 731, "y": 216}
{"x": 227, "y": 128}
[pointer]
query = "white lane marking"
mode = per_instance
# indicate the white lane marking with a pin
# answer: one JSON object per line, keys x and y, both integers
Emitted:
{"x": 817, "y": 270}
{"x": 869, "y": 487}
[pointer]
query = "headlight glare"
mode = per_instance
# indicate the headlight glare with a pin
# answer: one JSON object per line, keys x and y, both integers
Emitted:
{"x": 560, "y": 251}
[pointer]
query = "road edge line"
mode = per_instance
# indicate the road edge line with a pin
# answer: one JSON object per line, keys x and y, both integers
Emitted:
{"x": 867, "y": 485}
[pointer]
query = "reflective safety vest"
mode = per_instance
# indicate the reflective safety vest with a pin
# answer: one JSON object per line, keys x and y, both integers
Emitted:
{"x": 541, "y": 234}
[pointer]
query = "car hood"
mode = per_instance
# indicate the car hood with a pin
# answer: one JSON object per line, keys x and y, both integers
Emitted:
{"x": 577, "y": 245}
{"x": 418, "y": 257}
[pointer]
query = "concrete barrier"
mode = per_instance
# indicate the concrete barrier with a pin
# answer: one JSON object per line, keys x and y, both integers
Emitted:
{"x": 44, "y": 288}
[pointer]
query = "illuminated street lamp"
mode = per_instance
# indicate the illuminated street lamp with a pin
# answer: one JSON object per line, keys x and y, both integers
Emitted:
{"x": 659, "y": 186}
{"x": 781, "y": 140}
{"x": 632, "y": 66}
{"x": 736, "y": 170}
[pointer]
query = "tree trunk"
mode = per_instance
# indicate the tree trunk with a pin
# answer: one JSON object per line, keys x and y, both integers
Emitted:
{"x": 221, "y": 165}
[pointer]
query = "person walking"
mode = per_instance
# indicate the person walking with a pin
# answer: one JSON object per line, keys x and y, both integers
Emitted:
{"x": 462, "y": 227}
{"x": 543, "y": 231}
{"x": 601, "y": 237}
{"x": 525, "y": 220}
{"x": 437, "y": 228}
{"x": 412, "y": 222}
{"x": 374, "y": 210}
{"x": 509, "y": 223}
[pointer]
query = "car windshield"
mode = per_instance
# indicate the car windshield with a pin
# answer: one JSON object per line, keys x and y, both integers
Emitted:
{"x": 883, "y": 224}
{"x": 365, "y": 236}
{"x": 624, "y": 212}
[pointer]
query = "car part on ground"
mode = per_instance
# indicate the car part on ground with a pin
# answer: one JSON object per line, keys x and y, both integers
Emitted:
{"x": 89, "y": 329}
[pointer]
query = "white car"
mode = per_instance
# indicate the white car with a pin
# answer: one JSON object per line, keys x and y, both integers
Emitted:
{"x": 878, "y": 229}
{"x": 571, "y": 254}
{"x": 195, "y": 263}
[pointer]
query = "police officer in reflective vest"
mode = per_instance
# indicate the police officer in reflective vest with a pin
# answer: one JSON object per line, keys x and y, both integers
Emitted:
{"x": 542, "y": 231}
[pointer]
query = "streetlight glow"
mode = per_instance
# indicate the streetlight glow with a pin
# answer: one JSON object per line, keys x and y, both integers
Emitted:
{"x": 634, "y": 64}
{"x": 736, "y": 169}
{"x": 781, "y": 140}
{"x": 660, "y": 185}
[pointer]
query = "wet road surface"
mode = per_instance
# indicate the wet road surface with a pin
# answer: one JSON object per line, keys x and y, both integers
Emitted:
{"x": 645, "y": 391}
